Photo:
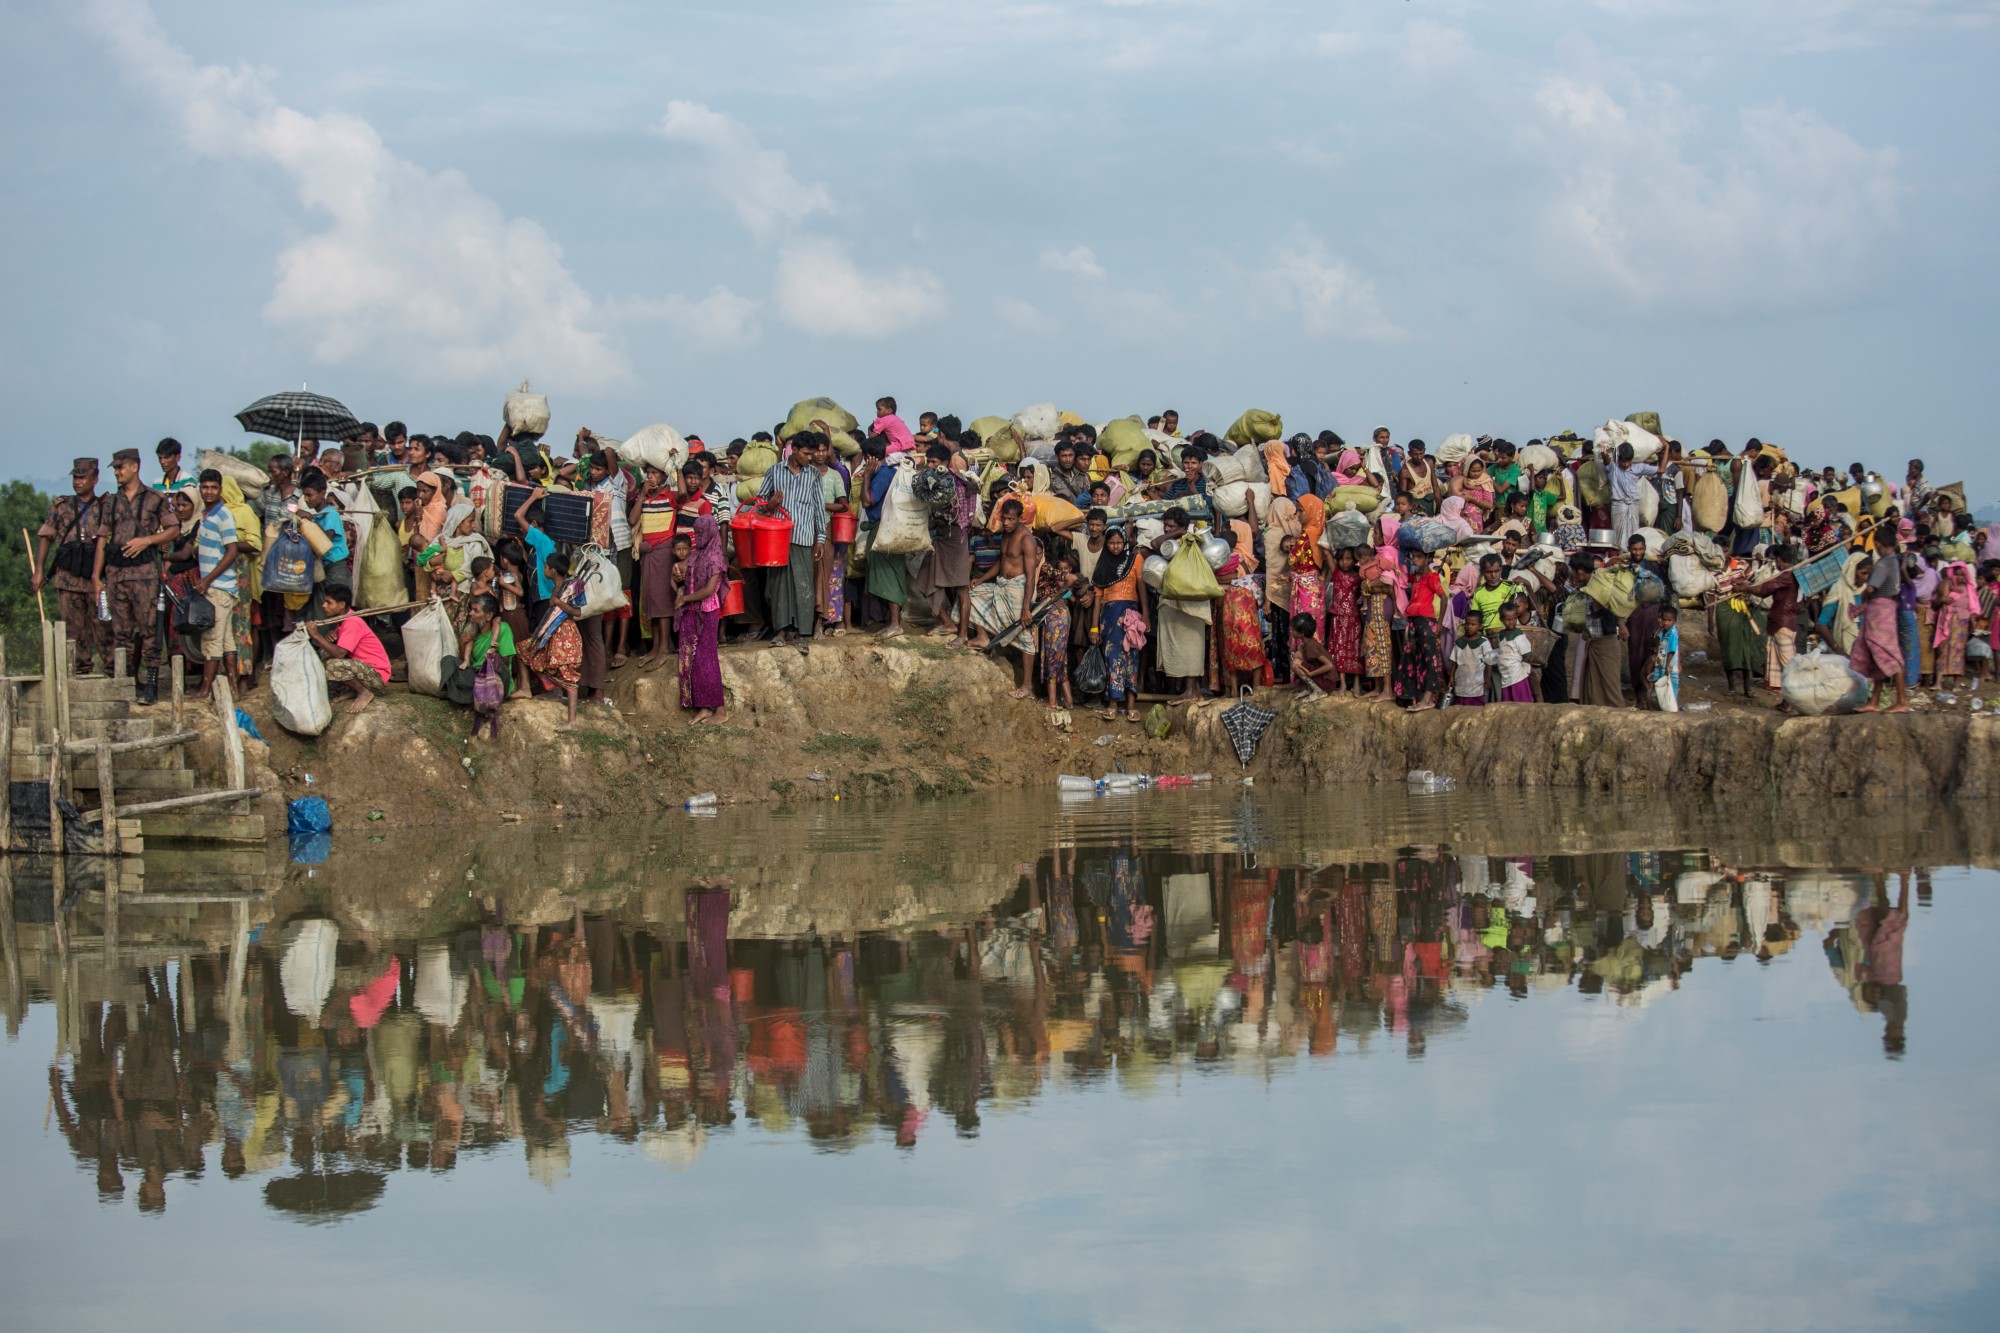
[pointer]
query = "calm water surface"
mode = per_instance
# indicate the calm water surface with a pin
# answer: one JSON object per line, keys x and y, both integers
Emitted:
{"x": 1176, "y": 1060}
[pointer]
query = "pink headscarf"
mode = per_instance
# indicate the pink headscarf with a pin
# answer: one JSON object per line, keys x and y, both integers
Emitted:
{"x": 1958, "y": 592}
{"x": 1347, "y": 471}
{"x": 1452, "y": 514}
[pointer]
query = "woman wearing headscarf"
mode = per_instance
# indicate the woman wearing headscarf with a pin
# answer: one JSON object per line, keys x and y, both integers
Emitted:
{"x": 250, "y": 537}
{"x": 1120, "y": 602}
{"x": 1844, "y": 602}
{"x": 1307, "y": 592}
{"x": 1241, "y": 628}
{"x": 1475, "y": 488}
{"x": 1957, "y": 606}
{"x": 1382, "y": 600}
{"x": 697, "y": 620}
{"x": 1454, "y": 514}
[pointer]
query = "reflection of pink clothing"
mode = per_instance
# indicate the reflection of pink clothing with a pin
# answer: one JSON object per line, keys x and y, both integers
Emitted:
{"x": 900, "y": 439}
{"x": 1881, "y": 931}
{"x": 373, "y": 1000}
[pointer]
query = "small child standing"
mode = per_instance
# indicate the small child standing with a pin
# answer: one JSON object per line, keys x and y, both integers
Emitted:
{"x": 1056, "y": 576}
{"x": 1469, "y": 660}
{"x": 1985, "y": 636}
{"x": 1663, "y": 672}
{"x": 1516, "y": 675}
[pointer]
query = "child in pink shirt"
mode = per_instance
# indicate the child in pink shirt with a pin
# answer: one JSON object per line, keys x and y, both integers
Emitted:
{"x": 888, "y": 423}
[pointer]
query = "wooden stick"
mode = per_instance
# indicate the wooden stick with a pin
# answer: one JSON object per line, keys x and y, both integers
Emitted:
{"x": 60, "y": 661}
{"x": 49, "y": 714}
{"x": 29, "y": 547}
{"x": 179, "y": 685}
{"x": 232, "y": 738}
{"x": 107, "y": 803}
{"x": 123, "y": 747}
{"x": 185, "y": 802}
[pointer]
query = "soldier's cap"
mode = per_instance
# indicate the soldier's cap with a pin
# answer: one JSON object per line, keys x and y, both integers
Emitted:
{"x": 125, "y": 456}
{"x": 83, "y": 467}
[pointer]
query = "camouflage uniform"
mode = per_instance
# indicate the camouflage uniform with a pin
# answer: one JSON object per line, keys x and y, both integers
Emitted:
{"x": 134, "y": 589}
{"x": 87, "y": 634}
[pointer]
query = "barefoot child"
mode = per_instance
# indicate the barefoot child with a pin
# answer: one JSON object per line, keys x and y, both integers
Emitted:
{"x": 487, "y": 636}
{"x": 1514, "y": 674}
{"x": 355, "y": 658}
{"x": 1057, "y": 576}
{"x": 556, "y": 653}
{"x": 1470, "y": 658}
{"x": 1316, "y": 671}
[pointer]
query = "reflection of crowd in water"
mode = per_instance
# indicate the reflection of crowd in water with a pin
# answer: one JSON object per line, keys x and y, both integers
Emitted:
{"x": 331, "y": 1059}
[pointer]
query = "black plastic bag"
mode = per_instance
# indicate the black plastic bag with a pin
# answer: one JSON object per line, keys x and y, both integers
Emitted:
{"x": 1091, "y": 675}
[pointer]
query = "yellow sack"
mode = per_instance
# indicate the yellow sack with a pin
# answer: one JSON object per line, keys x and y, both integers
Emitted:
{"x": 379, "y": 580}
{"x": 1255, "y": 427}
{"x": 1613, "y": 590}
{"x": 1052, "y": 511}
{"x": 1123, "y": 441}
{"x": 1188, "y": 576}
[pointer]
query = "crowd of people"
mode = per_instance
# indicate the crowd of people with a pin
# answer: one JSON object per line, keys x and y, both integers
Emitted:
{"x": 1118, "y": 566}
{"x": 335, "y": 1049}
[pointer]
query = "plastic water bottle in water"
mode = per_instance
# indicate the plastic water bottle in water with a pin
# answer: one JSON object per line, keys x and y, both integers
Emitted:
{"x": 705, "y": 801}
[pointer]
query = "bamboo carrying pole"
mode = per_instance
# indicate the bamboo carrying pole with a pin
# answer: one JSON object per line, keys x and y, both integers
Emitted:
{"x": 29, "y": 547}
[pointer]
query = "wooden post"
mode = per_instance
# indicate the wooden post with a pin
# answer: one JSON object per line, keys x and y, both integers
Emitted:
{"x": 49, "y": 714}
{"x": 16, "y": 1004}
{"x": 55, "y": 810}
{"x": 60, "y": 661}
{"x": 118, "y": 662}
{"x": 179, "y": 666}
{"x": 6, "y": 756}
{"x": 107, "y": 807}
{"x": 232, "y": 739}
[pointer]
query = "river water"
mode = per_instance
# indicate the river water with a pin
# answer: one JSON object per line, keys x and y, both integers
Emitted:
{"x": 1206, "y": 1059}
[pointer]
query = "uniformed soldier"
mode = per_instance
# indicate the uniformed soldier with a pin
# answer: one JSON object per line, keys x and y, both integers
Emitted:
{"x": 71, "y": 528}
{"x": 135, "y": 525}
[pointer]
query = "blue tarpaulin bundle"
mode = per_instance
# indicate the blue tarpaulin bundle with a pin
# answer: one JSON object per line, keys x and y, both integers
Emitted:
{"x": 308, "y": 814}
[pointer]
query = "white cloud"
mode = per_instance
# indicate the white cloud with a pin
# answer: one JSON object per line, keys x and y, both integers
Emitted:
{"x": 719, "y": 321}
{"x": 1340, "y": 43}
{"x": 1331, "y": 299}
{"x": 1024, "y": 317}
{"x": 754, "y": 180}
{"x": 1079, "y": 262}
{"x": 1788, "y": 214}
{"x": 1430, "y": 47}
{"x": 415, "y": 269}
{"x": 819, "y": 290}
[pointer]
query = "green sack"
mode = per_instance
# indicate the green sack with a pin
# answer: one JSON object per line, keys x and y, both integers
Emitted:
{"x": 757, "y": 459}
{"x": 380, "y": 579}
{"x": 1122, "y": 441}
{"x": 1255, "y": 427}
{"x": 1646, "y": 421}
{"x": 1158, "y": 722}
{"x": 1188, "y": 576}
{"x": 982, "y": 428}
{"x": 1613, "y": 590}
{"x": 802, "y": 416}
{"x": 1005, "y": 443}
{"x": 1592, "y": 484}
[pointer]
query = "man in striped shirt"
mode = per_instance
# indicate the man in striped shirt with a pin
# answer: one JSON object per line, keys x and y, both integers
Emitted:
{"x": 215, "y": 564}
{"x": 794, "y": 486}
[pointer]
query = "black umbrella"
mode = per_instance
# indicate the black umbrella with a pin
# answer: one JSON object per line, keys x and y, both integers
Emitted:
{"x": 1245, "y": 724}
{"x": 298, "y": 415}
{"x": 324, "y": 1196}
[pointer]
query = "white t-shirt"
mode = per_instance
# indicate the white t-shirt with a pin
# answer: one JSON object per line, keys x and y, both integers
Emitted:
{"x": 1470, "y": 659}
{"x": 1510, "y": 658}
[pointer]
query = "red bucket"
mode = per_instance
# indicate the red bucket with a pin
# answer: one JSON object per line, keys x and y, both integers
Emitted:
{"x": 770, "y": 541}
{"x": 732, "y": 600}
{"x": 739, "y": 530}
{"x": 842, "y": 527}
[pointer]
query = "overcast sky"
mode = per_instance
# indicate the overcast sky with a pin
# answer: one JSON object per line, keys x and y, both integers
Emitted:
{"x": 1767, "y": 217}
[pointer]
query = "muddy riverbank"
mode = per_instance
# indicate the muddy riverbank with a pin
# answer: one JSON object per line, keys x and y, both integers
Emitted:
{"x": 862, "y": 718}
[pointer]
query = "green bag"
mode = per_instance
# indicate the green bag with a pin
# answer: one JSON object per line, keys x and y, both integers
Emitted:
{"x": 1122, "y": 441}
{"x": 1158, "y": 722}
{"x": 1255, "y": 427}
{"x": 379, "y": 581}
{"x": 1592, "y": 484}
{"x": 803, "y": 414}
{"x": 1188, "y": 576}
{"x": 1646, "y": 421}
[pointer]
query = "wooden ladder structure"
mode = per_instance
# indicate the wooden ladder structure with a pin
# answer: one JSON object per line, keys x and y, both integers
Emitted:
{"x": 123, "y": 767}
